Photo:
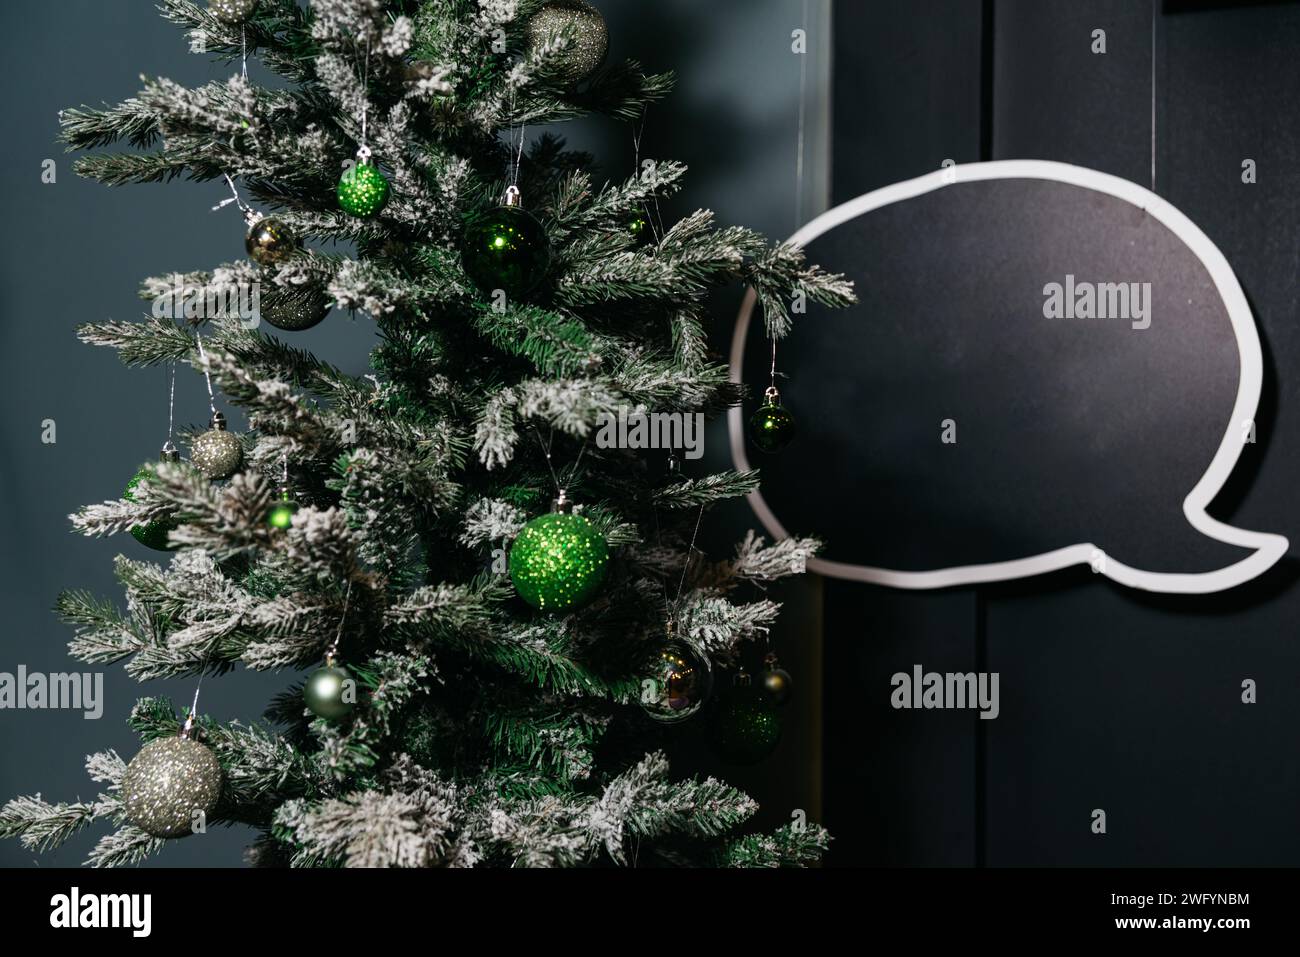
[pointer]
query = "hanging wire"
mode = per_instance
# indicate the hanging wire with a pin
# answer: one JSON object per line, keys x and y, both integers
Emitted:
{"x": 656, "y": 217}
{"x": 207, "y": 376}
{"x": 1154, "y": 21}
{"x": 333, "y": 649}
{"x": 243, "y": 51}
{"x": 546, "y": 450}
{"x": 171, "y": 410}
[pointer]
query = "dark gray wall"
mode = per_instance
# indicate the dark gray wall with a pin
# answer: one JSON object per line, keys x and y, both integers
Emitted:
{"x": 75, "y": 251}
{"x": 1110, "y": 698}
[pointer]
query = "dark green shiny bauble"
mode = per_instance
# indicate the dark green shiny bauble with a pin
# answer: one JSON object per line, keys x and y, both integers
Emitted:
{"x": 771, "y": 427}
{"x": 150, "y": 534}
{"x": 778, "y": 684}
{"x": 746, "y": 725}
{"x": 294, "y": 310}
{"x": 676, "y": 683}
{"x": 558, "y": 561}
{"x": 363, "y": 190}
{"x": 505, "y": 248}
{"x": 330, "y": 692}
{"x": 639, "y": 226}
{"x": 270, "y": 241}
{"x": 280, "y": 514}
{"x": 170, "y": 785}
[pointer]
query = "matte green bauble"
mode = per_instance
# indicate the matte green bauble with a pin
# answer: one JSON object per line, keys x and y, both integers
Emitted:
{"x": 170, "y": 785}
{"x": 676, "y": 684}
{"x": 505, "y": 248}
{"x": 771, "y": 427}
{"x": 270, "y": 241}
{"x": 280, "y": 514}
{"x": 217, "y": 453}
{"x": 746, "y": 724}
{"x": 582, "y": 25}
{"x": 294, "y": 310}
{"x": 150, "y": 534}
{"x": 363, "y": 190}
{"x": 330, "y": 692}
{"x": 232, "y": 11}
{"x": 558, "y": 561}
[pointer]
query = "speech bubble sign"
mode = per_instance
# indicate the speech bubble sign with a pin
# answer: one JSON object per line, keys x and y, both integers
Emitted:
{"x": 967, "y": 256}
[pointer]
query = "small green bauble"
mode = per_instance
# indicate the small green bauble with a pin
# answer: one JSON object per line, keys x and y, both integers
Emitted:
{"x": 363, "y": 190}
{"x": 270, "y": 241}
{"x": 170, "y": 785}
{"x": 676, "y": 684}
{"x": 280, "y": 514}
{"x": 150, "y": 534}
{"x": 746, "y": 725}
{"x": 330, "y": 692}
{"x": 639, "y": 226}
{"x": 771, "y": 427}
{"x": 505, "y": 248}
{"x": 558, "y": 561}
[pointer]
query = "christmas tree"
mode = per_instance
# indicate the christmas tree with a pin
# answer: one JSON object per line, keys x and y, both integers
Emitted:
{"x": 501, "y": 611}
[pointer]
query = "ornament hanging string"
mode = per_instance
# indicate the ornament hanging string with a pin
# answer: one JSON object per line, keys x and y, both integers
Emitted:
{"x": 243, "y": 51}
{"x": 1154, "y": 20}
{"x": 655, "y": 218}
{"x": 546, "y": 451}
{"x": 332, "y": 651}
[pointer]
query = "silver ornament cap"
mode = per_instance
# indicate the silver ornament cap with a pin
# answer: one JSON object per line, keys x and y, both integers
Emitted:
{"x": 217, "y": 453}
{"x": 170, "y": 785}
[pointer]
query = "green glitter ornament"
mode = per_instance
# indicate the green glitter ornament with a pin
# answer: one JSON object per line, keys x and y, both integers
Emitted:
{"x": 280, "y": 514}
{"x": 558, "y": 561}
{"x": 152, "y": 534}
{"x": 363, "y": 190}
{"x": 639, "y": 227}
{"x": 505, "y": 248}
{"x": 172, "y": 784}
{"x": 771, "y": 427}
{"x": 746, "y": 725}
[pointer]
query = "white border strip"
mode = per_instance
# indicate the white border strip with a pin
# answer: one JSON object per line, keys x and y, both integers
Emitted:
{"x": 1268, "y": 548}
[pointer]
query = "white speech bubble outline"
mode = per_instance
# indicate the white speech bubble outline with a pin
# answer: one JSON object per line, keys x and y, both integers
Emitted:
{"x": 1268, "y": 548}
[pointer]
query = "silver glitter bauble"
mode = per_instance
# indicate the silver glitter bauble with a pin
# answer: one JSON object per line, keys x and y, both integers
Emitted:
{"x": 169, "y": 785}
{"x": 585, "y": 28}
{"x": 217, "y": 453}
{"x": 232, "y": 11}
{"x": 295, "y": 310}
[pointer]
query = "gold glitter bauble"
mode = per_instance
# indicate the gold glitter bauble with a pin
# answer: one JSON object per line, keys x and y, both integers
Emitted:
{"x": 585, "y": 29}
{"x": 232, "y": 11}
{"x": 169, "y": 785}
{"x": 217, "y": 453}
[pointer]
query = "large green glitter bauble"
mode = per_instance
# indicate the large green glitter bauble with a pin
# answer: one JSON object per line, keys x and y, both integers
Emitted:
{"x": 746, "y": 725}
{"x": 363, "y": 190}
{"x": 676, "y": 683}
{"x": 505, "y": 248}
{"x": 330, "y": 692}
{"x": 558, "y": 561}
{"x": 582, "y": 25}
{"x": 169, "y": 784}
{"x": 771, "y": 427}
{"x": 150, "y": 534}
